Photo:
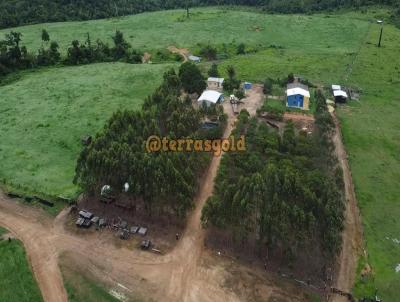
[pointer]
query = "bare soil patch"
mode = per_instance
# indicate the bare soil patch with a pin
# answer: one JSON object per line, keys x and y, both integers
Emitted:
{"x": 183, "y": 52}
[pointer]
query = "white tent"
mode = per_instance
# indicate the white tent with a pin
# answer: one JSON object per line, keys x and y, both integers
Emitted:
{"x": 210, "y": 97}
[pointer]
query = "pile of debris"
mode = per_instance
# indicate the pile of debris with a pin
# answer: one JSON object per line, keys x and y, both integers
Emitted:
{"x": 86, "y": 219}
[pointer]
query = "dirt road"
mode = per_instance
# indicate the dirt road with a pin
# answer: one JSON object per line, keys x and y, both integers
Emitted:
{"x": 177, "y": 276}
{"x": 352, "y": 234}
{"x": 183, "y": 52}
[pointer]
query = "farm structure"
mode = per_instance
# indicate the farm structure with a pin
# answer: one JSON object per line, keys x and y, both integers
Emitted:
{"x": 298, "y": 96}
{"x": 194, "y": 59}
{"x": 339, "y": 94}
{"x": 215, "y": 84}
{"x": 209, "y": 97}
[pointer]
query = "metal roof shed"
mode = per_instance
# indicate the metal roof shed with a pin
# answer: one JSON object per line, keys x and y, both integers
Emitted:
{"x": 210, "y": 97}
{"x": 296, "y": 91}
{"x": 194, "y": 59}
{"x": 340, "y": 93}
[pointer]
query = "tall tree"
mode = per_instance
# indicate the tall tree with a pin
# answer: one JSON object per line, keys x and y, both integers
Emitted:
{"x": 191, "y": 78}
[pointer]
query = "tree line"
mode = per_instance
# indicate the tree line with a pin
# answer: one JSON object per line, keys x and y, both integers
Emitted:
{"x": 162, "y": 183}
{"x": 283, "y": 198}
{"x": 21, "y": 12}
{"x": 15, "y": 57}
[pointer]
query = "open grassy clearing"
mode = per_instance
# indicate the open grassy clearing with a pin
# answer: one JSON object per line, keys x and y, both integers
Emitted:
{"x": 148, "y": 31}
{"x": 371, "y": 132}
{"x": 16, "y": 278}
{"x": 45, "y": 114}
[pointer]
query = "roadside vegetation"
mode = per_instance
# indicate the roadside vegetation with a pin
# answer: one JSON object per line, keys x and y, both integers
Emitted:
{"x": 16, "y": 278}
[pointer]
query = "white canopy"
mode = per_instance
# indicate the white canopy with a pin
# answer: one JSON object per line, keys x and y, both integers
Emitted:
{"x": 296, "y": 91}
{"x": 210, "y": 96}
{"x": 336, "y": 87}
{"x": 340, "y": 93}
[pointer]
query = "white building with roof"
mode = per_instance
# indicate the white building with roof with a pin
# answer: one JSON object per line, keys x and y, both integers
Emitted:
{"x": 209, "y": 97}
{"x": 194, "y": 59}
{"x": 215, "y": 83}
{"x": 298, "y": 97}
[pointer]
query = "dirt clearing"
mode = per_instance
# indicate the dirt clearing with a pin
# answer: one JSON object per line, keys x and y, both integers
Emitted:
{"x": 183, "y": 52}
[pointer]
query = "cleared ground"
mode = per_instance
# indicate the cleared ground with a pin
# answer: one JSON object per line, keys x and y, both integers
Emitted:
{"x": 45, "y": 113}
{"x": 80, "y": 285}
{"x": 317, "y": 33}
{"x": 16, "y": 279}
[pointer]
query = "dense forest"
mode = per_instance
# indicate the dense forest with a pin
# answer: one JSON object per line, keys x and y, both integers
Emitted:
{"x": 161, "y": 183}
{"x": 20, "y": 12}
{"x": 283, "y": 198}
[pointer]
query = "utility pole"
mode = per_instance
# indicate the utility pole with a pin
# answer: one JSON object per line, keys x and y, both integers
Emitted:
{"x": 187, "y": 9}
{"x": 380, "y": 36}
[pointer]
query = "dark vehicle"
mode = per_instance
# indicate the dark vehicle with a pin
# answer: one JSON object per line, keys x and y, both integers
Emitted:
{"x": 142, "y": 231}
{"x": 85, "y": 214}
{"x": 134, "y": 229}
{"x": 124, "y": 235}
{"x": 145, "y": 245}
{"x": 83, "y": 223}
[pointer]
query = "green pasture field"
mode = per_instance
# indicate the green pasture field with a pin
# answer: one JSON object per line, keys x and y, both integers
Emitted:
{"x": 157, "y": 30}
{"x": 45, "y": 113}
{"x": 16, "y": 278}
{"x": 371, "y": 131}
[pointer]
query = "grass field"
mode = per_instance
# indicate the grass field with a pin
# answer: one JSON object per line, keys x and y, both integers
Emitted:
{"x": 148, "y": 31}
{"x": 45, "y": 113}
{"x": 371, "y": 130}
{"x": 16, "y": 278}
